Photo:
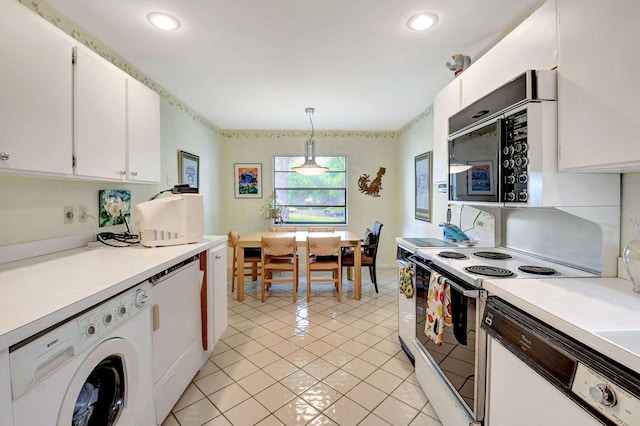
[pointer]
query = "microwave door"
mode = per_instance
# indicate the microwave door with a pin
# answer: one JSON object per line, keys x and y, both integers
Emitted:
{"x": 478, "y": 148}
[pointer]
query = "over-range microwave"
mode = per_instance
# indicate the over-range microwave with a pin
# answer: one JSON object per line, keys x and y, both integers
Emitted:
{"x": 496, "y": 143}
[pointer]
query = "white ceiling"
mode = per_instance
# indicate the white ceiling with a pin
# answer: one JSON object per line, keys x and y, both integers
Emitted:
{"x": 256, "y": 64}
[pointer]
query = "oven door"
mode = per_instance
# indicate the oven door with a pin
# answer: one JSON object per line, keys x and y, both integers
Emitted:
{"x": 457, "y": 366}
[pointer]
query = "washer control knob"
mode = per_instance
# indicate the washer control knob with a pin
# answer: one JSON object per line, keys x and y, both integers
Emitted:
{"x": 91, "y": 329}
{"x": 122, "y": 310}
{"x": 603, "y": 394}
{"x": 141, "y": 298}
{"x": 107, "y": 319}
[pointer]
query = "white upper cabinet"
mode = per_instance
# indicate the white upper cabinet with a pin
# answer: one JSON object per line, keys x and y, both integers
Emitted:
{"x": 100, "y": 111}
{"x": 531, "y": 45}
{"x": 35, "y": 94}
{"x": 598, "y": 90}
{"x": 445, "y": 104}
{"x": 143, "y": 133}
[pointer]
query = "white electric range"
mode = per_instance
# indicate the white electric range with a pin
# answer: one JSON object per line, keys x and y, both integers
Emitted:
{"x": 475, "y": 264}
{"x": 458, "y": 364}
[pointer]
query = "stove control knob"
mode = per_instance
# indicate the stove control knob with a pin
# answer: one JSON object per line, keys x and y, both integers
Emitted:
{"x": 523, "y": 196}
{"x": 508, "y": 164}
{"x": 603, "y": 394}
{"x": 510, "y": 196}
{"x": 522, "y": 161}
{"x": 511, "y": 179}
{"x": 523, "y": 178}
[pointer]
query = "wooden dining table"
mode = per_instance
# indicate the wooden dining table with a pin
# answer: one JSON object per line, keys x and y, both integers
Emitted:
{"x": 347, "y": 239}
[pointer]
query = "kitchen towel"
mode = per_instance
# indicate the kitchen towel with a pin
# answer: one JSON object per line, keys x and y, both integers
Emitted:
{"x": 405, "y": 280}
{"x": 438, "y": 308}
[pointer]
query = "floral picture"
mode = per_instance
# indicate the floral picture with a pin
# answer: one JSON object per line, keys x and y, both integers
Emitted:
{"x": 480, "y": 178}
{"x": 423, "y": 186}
{"x": 115, "y": 206}
{"x": 248, "y": 180}
{"x": 189, "y": 168}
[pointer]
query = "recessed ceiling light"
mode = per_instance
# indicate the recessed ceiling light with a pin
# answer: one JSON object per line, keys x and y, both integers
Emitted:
{"x": 164, "y": 21}
{"x": 422, "y": 21}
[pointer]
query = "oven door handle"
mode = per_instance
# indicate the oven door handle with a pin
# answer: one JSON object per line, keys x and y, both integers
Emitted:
{"x": 472, "y": 294}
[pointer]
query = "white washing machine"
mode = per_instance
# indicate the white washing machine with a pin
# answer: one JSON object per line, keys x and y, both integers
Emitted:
{"x": 91, "y": 370}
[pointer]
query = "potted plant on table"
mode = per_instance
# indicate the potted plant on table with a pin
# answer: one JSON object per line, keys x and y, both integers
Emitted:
{"x": 272, "y": 210}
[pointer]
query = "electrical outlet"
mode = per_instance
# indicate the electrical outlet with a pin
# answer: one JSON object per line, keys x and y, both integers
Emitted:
{"x": 68, "y": 214}
{"x": 83, "y": 213}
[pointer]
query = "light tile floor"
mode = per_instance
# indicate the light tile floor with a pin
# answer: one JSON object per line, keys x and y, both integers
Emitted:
{"x": 317, "y": 363}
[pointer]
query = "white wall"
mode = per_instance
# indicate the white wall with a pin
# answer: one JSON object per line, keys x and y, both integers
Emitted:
{"x": 366, "y": 153}
{"x": 31, "y": 208}
{"x": 415, "y": 139}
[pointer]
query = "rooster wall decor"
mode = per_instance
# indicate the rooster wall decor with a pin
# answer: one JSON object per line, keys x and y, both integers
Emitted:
{"x": 371, "y": 187}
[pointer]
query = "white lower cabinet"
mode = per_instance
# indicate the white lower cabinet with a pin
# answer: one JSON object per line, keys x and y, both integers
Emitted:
{"x": 218, "y": 256}
{"x": 517, "y": 395}
{"x": 35, "y": 94}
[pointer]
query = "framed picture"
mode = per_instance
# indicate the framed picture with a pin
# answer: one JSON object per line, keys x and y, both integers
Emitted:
{"x": 247, "y": 180}
{"x": 189, "y": 168}
{"x": 423, "y": 186}
{"x": 480, "y": 178}
{"x": 114, "y": 206}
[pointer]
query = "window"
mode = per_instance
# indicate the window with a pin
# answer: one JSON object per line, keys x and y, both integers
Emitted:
{"x": 307, "y": 200}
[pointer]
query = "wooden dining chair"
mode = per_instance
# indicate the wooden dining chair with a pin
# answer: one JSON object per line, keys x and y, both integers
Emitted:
{"x": 323, "y": 254}
{"x": 321, "y": 229}
{"x": 252, "y": 260}
{"x": 283, "y": 229}
{"x": 279, "y": 254}
{"x": 369, "y": 251}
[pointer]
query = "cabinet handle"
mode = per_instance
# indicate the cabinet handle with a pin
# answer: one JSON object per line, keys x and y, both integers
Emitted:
{"x": 218, "y": 256}
{"x": 134, "y": 173}
{"x": 156, "y": 317}
{"x": 123, "y": 172}
{"x": 4, "y": 156}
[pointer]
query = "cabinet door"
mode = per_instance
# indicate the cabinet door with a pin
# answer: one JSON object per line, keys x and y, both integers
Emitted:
{"x": 35, "y": 93}
{"x": 445, "y": 104}
{"x": 143, "y": 133}
{"x": 100, "y": 146}
{"x": 598, "y": 90}
{"x": 531, "y": 45}
{"x": 219, "y": 276}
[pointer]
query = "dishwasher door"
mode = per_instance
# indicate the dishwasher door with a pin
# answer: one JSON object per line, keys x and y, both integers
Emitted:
{"x": 177, "y": 334}
{"x": 540, "y": 376}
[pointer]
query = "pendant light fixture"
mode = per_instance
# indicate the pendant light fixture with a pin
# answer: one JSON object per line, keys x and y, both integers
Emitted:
{"x": 310, "y": 167}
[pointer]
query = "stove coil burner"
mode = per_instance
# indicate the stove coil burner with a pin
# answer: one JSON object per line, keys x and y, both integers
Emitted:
{"x": 490, "y": 271}
{"x": 494, "y": 255}
{"x": 538, "y": 270}
{"x": 452, "y": 255}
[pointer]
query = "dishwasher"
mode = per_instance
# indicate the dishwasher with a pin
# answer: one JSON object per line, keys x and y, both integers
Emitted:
{"x": 539, "y": 376}
{"x": 177, "y": 332}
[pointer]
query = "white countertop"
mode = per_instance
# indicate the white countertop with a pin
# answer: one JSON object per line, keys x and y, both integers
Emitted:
{"x": 39, "y": 292}
{"x": 581, "y": 308}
